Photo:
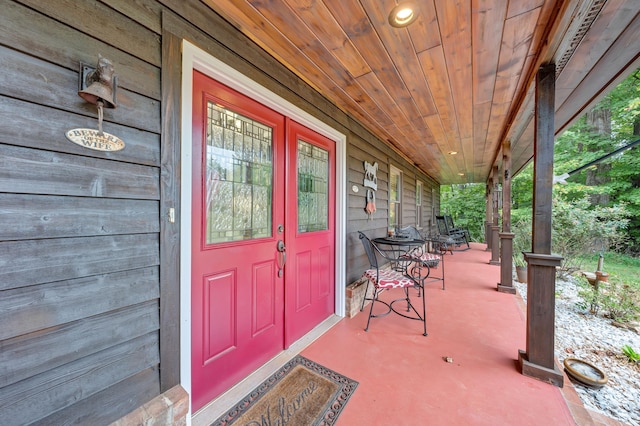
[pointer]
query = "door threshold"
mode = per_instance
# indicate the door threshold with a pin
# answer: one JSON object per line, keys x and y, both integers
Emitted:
{"x": 219, "y": 406}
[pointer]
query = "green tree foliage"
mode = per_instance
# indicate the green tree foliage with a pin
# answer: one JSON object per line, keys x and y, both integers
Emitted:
{"x": 581, "y": 144}
{"x": 466, "y": 205}
{"x": 579, "y": 227}
{"x": 522, "y": 195}
{"x": 602, "y": 225}
{"x": 521, "y": 242}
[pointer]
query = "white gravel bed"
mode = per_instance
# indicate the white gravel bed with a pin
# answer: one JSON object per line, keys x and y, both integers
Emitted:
{"x": 596, "y": 340}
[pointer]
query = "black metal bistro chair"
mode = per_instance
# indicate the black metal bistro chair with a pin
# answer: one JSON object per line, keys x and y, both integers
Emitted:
{"x": 422, "y": 254}
{"x": 402, "y": 274}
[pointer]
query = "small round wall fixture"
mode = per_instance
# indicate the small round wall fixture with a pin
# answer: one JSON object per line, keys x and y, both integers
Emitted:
{"x": 403, "y": 14}
{"x": 585, "y": 373}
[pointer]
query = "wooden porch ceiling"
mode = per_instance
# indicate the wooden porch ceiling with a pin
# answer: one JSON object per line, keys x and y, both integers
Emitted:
{"x": 459, "y": 78}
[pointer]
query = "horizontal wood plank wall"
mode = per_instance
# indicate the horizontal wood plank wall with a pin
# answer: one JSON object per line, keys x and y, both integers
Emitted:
{"x": 84, "y": 250}
{"x": 79, "y": 229}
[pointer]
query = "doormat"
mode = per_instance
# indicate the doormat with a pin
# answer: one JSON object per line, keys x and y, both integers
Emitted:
{"x": 300, "y": 393}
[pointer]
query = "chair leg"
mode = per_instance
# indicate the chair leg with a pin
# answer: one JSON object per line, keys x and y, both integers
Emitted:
{"x": 406, "y": 294}
{"x": 424, "y": 314}
{"x": 364, "y": 298}
{"x": 373, "y": 302}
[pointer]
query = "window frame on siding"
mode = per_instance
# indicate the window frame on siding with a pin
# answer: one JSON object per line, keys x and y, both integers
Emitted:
{"x": 419, "y": 215}
{"x": 394, "y": 218}
{"x": 433, "y": 207}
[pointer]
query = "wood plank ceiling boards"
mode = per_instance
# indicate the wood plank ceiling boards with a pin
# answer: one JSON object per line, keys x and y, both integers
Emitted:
{"x": 458, "y": 78}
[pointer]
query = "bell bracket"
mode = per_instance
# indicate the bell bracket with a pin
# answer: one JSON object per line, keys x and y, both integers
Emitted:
{"x": 89, "y": 75}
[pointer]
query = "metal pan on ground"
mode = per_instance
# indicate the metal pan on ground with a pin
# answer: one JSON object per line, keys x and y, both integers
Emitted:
{"x": 585, "y": 373}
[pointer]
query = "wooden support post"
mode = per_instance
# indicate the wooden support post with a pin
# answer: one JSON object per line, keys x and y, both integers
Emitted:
{"x": 487, "y": 234}
{"x": 495, "y": 216}
{"x": 488, "y": 220}
{"x": 506, "y": 266}
{"x": 495, "y": 245}
{"x": 506, "y": 236}
{"x": 538, "y": 360}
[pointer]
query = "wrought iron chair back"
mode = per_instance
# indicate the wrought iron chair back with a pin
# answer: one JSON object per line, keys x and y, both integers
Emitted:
{"x": 369, "y": 250}
{"x": 442, "y": 225}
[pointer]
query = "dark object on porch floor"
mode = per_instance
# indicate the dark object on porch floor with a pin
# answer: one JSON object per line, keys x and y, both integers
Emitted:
{"x": 446, "y": 227}
{"x": 300, "y": 393}
{"x": 404, "y": 273}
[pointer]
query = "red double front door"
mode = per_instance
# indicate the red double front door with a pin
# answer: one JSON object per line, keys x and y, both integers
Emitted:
{"x": 263, "y": 227}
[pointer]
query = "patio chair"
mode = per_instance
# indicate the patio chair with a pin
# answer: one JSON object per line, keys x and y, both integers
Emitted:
{"x": 403, "y": 274}
{"x": 456, "y": 229}
{"x": 422, "y": 254}
{"x": 457, "y": 236}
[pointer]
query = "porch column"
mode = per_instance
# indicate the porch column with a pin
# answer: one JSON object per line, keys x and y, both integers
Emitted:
{"x": 488, "y": 195}
{"x": 495, "y": 228}
{"x": 538, "y": 360}
{"x": 506, "y": 236}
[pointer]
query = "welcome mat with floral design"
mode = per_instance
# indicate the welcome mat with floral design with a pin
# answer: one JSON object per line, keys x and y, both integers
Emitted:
{"x": 300, "y": 393}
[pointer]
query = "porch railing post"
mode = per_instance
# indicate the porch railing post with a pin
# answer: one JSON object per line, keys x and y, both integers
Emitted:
{"x": 538, "y": 360}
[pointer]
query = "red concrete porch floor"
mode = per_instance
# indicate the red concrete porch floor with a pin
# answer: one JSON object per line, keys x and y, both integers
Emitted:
{"x": 404, "y": 378}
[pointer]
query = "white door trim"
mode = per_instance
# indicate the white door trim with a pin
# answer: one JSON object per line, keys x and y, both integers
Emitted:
{"x": 196, "y": 58}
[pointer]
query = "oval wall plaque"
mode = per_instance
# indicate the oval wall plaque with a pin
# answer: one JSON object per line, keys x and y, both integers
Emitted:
{"x": 94, "y": 139}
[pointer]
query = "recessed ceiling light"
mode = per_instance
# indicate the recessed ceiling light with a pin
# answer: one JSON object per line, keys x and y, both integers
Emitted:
{"x": 403, "y": 14}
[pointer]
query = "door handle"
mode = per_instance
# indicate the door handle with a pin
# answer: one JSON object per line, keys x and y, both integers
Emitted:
{"x": 282, "y": 256}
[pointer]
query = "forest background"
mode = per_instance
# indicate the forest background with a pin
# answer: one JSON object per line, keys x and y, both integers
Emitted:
{"x": 610, "y": 188}
{"x": 596, "y": 209}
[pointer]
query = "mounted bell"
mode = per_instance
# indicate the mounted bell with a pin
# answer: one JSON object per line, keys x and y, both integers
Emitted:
{"x": 98, "y": 84}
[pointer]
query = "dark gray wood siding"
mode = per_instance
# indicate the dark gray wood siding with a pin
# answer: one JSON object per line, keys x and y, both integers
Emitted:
{"x": 89, "y": 264}
{"x": 79, "y": 229}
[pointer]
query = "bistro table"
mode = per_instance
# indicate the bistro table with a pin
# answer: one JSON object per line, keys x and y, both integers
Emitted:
{"x": 399, "y": 245}
{"x": 399, "y": 248}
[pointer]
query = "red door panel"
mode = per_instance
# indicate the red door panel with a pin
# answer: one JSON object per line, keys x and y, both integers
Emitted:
{"x": 219, "y": 330}
{"x": 237, "y": 296}
{"x": 310, "y": 282}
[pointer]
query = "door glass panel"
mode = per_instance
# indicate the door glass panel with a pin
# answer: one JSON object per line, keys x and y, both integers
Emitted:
{"x": 313, "y": 188}
{"x": 239, "y": 177}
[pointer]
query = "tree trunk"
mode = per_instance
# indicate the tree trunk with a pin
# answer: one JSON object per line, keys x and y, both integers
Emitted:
{"x": 635, "y": 180}
{"x": 599, "y": 122}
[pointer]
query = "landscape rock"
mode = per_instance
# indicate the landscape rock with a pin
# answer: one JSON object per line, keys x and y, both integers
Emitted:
{"x": 582, "y": 335}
